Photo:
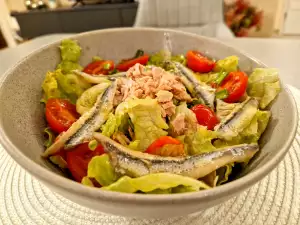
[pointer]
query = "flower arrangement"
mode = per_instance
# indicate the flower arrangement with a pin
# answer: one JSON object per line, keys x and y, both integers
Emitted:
{"x": 241, "y": 17}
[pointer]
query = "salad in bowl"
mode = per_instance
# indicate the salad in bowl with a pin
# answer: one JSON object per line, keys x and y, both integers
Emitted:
{"x": 155, "y": 123}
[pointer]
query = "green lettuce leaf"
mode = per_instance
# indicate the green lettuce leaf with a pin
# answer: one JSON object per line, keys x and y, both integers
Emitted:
{"x": 156, "y": 182}
{"x": 70, "y": 53}
{"x": 264, "y": 84}
{"x": 159, "y": 58}
{"x": 101, "y": 169}
{"x": 229, "y": 64}
{"x": 86, "y": 181}
{"x": 96, "y": 58}
{"x": 179, "y": 58}
{"x": 223, "y": 173}
{"x": 67, "y": 86}
{"x": 68, "y": 67}
{"x": 149, "y": 125}
{"x": 59, "y": 161}
{"x": 109, "y": 128}
{"x": 51, "y": 88}
{"x": 223, "y": 109}
{"x": 70, "y": 50}
{"x": 72, "y": 84}
{"x": 200, "y": 141}
{"x": 88, "y": 98}
{"x": 183, "y": 121}
{"x": 50, "y": 137}
{"x": 251, "y": 134}
{"x": 118, "y": 121}
{"x": 122, "y": 117}
{"x": 263, "y": 118}
{"x": 206, "y": 77}
{"x": 271, "y": 90}
{"x": 134, "y": 145}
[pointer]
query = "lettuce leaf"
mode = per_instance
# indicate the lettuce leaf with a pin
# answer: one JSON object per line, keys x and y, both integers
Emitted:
{"x": 149, "y": 125}
{"x": 51, "y": 88}
{"x": 109, "y": 128}
{"x": 223, "y": 173}
{"x": 251, "y": 134}
{"x": 179, "y": 58}
{"x": 70, "y": 50}
{"x": 159, "y": 58}
{"x": 263, "y": 118}
{"x": 200, "y": 141}
{"x": 72, "y": 84}
{"x": 271, "y": 90}
{"x": 206, "y": 77}
{"x": 50, "y": 137}
{"x": 264, "y": 84}
{"x": 59, "y": 161}
{"x": 183, "y": 121}
{"x": 88, "y": 98}
{"x": 67, "y": 86}
{"x": 70, "y": 53}
{"x": 229, "y": 64}
{"x": 223, "y": 109}
{"x": 210, "y": 179}
{"x": 86, "y": 181}
{"x": 68, "y": 67}
{"x": 122, "y": 117}
{"x": 156, "y": 182}
{"x": 118, "y": 121}
{"x": 101, "y": 169}
{"x": 134, "y": 145}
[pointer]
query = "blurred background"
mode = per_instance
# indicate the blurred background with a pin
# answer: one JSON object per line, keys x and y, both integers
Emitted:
{"x": 24, "y": 20}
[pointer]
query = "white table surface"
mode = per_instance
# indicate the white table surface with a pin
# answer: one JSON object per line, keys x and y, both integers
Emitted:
{"x": 280, "y": 53}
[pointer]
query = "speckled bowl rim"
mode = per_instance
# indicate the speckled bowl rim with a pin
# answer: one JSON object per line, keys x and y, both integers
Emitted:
{"x": 73, "y": 187}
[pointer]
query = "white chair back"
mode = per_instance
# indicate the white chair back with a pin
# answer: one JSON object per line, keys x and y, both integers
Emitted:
{"x": 5, "y": 25}
{"x": 197, "y": 16}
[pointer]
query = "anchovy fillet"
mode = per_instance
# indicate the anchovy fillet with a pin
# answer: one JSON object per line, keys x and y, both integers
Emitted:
{"x": 197, "y": 88}
{"x": 238, "y": 119}
{"x": 88, "y": 123}
{"x": 100, "y": 78}
{"x": 136, "y": 164}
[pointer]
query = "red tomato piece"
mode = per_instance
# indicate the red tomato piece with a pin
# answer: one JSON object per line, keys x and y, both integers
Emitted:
{"x": 61, "y": 153}
{"x": 154, "y": 148}
{"x": 199, "y": 63}
{"x": 236, "y": 84}
{"x": 78, "y": 159}
{"x": 60, "y": 114}
{"x": 170, "y": 150}
{"x": 205, "y": 116}
{"x": 125, "y": 65}
{"x": 99, "y": 67}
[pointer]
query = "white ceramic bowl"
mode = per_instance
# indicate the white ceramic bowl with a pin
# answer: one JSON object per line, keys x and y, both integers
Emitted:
{"x": 22, "y": 122}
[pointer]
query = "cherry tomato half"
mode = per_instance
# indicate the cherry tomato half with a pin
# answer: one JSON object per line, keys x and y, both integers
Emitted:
{"x": 78, "y": 159}
{"x": 205, "y": 116}
{"x": 125, "y": 65}
{"x": 199, "y": 63}
{"x": 99, "y": 67}
{"x": 60, "y": 114}
{"x": 173, "y": 147}
{"x": 236, "y": 84}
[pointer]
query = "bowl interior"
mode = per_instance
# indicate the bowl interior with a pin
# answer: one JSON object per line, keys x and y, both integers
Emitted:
{"x": 22, "y": 116}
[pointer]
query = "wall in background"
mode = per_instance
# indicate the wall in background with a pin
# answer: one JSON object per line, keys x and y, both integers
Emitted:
{"x": 274, "y": 11}
{"x": 16, "y": 5}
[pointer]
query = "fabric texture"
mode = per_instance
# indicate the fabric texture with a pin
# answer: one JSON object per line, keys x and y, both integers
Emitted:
{"x": 203, "y": 17}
